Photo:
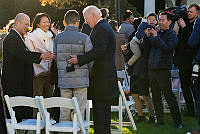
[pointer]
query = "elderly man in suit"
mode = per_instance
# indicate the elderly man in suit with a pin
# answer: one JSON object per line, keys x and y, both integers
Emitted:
{"x": 17, "y": 72}
{"x": 103, "y": 79}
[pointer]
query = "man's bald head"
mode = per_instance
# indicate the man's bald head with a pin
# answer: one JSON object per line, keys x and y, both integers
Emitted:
{"x": 20, "y": 17}
{"x": 22, "y": 23}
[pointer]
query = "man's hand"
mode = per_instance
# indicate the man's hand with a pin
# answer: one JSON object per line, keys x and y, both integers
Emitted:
{"x": 153, "y": 32}
{"x": 73, "y": 59}
{"x": 124, "y": 47}
{"x": 48, "y": 55}
{"x": 181, "y": 23}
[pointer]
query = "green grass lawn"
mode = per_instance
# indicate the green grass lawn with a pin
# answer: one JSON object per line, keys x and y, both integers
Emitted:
{"x": 189, "y": 124}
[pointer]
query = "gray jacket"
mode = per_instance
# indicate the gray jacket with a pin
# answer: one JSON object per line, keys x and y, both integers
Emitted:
{"x": 127, "y": 29}
{"x": 71, "y": 42}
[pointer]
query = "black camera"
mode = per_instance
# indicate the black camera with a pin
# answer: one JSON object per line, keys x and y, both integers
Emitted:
{"x": 177, "y": 12}
{"x": 70, "y": 67}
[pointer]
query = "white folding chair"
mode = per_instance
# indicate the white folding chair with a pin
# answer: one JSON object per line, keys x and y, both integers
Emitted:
{"x": 27, "y": 124}
{"x": 74, "y": 126}
{"x": 126, "y": 105}
{"x": 121, "y": 105}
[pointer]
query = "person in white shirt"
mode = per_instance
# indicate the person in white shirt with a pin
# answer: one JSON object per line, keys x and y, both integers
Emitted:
{"x": 40, "y": 39}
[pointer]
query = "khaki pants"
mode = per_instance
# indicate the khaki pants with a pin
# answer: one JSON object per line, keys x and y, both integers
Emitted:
{"x": 80, "y": 94}
{"x": 42, "y": 87}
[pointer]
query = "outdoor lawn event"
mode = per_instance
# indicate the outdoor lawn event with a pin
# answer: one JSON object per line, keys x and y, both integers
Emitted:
{"x": 99, "y": 66}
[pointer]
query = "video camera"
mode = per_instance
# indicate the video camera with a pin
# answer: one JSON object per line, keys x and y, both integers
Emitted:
{"x": 176, "y": 12}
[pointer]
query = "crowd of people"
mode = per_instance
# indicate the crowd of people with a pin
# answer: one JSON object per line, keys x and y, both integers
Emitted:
{"x": 84, "y": 64}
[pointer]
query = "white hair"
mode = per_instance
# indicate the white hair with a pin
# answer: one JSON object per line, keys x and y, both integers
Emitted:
{"x": 92, "y": 10}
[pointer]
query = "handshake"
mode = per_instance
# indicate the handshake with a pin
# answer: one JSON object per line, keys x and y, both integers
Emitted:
{"x": 48, "y": 55}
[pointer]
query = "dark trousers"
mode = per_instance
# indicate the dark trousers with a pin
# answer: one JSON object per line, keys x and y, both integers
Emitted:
{"x": 102, "y": 116}
{"x": 185, "y": 74}
{"x": 160, "y": 82}
{"x": 2, "y": 117}
{"x": 197, "y": 93}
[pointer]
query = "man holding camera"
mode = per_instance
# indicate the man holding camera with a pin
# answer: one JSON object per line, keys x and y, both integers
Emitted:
{"x": 184, "y": 56}
{"x": 72, "y": 79}
{"x": 163, "y": 44}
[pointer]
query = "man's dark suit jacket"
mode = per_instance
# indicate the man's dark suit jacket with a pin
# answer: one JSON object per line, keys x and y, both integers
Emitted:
{"x": 103, "y": 78}
{"x": 17, "y": 72}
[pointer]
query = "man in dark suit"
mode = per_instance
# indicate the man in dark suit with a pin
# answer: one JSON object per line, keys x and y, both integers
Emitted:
{"x": 103, "y": 80}
{"x": 17, "y": 72}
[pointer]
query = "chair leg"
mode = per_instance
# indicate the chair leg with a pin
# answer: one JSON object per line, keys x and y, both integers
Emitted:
{"x": 87, "y": 131}
{"x": 11, "y": 131}
{"x": 120, "y": 113}
{"x": 46, "y": 131}
{"x": 38, "y": 131}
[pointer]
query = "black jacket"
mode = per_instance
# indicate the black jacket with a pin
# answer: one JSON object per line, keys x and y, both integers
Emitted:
{"x": 184, "y": 55}
{"x": 140, "y": 68}
{"x": 17, "y": 72}
{"x": 103, "y": 80}
{"x": 162, "y": 49}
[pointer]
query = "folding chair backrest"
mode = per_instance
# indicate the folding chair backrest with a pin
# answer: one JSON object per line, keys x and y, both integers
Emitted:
{"x": 19, "y": 101}
{"x": 58, "y": 102}
{"x": 64, "y": 103}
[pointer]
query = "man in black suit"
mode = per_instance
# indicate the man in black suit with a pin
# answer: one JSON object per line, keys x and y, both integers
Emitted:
{"x": 103, "y": 79}
{"x": 17, "y": 72}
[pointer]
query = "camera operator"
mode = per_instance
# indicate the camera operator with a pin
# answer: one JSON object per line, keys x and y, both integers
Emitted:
{"x": 160, "y": 60}
{"x": 184, "y": 56}
{"x": 194, "y": 42}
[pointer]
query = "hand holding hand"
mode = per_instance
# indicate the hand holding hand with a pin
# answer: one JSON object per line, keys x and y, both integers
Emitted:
{"x": 48, "y": 55}
{"x": 73, "y": 59}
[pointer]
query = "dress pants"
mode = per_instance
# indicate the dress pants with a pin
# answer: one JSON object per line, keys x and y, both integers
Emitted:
{"x": 185, "y": 74}
{"x": 160, "y": 82}
{"x": 102, "y": 116}
{"x": 42, "y": 87}
{"x": 197, "y": 93}
{"x": 2, "y": 116}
